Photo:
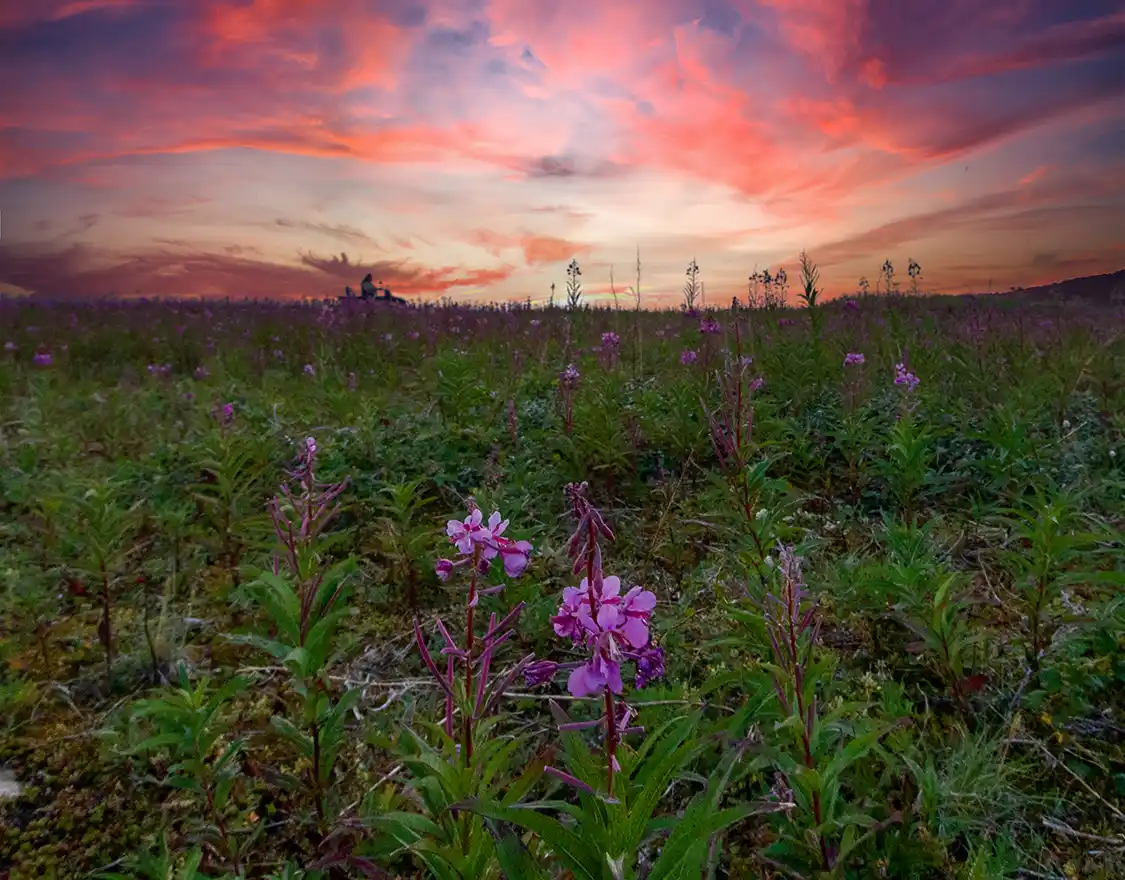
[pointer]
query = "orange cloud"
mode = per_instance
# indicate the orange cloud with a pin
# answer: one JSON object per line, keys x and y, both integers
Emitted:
{"x": 537, "y": 249}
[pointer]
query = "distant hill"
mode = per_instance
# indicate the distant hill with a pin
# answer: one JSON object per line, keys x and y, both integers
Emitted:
{"x": 1100, "y": 289}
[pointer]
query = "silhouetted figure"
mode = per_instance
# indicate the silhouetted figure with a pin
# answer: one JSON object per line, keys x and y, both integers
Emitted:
{"x": 368, "y": 288}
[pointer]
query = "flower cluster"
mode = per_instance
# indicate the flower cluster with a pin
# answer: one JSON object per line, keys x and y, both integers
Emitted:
{"x": 611, "y": 339}
{"x": 903, "y": 376}
{"x": 853, "y": 358}
{"x": 688, "y": 356}
{"x": 708, "y": 326}
{"x": 483, "y": 542}
{"x": 570, "y": 375}
{"x": 478, "y": 542}
{"x": 42, "y": 359}
{"x": 611, "y": 627}
{"x": 159, "y": 369}
{"x": 224, "y": 415}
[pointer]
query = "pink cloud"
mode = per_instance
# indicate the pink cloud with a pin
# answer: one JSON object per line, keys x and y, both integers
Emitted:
{"x": 807, "y": 112}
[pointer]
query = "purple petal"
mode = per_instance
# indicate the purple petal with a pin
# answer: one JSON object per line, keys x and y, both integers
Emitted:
{"x": 514, "y": 565}
{"x": 613, "y": 676}
{"x": 608, "y": 617}
{"x": 635, "y": 631}
{"x": 639, "y": 599}
{"x": 579, "y": 683}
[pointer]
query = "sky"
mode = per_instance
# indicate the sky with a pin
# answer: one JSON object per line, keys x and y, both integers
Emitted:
{"x": 473, "y": 148}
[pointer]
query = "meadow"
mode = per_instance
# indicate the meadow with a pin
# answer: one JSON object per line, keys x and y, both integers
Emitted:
{"x": 367, "y": 590}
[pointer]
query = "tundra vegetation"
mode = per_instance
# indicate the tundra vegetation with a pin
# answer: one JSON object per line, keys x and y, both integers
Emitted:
{"x": 368, "y": 590}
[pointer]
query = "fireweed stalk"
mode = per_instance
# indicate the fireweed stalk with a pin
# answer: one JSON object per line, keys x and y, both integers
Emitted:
{"x": 478, "y": 544}
{"x": 731, "y": 425}
{"x": 305, "y": 600}
{"x": 610, "y": 348}
{"x": 793, "y": 624}
{"x": 826, "y": 827}
{"x": 568, "y": 385}
{"x": 612, "y": 628}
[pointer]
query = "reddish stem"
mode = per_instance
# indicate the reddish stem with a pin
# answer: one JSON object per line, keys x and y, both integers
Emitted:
{"x": 467, "y": 728}
{"x": 610, "y": 739}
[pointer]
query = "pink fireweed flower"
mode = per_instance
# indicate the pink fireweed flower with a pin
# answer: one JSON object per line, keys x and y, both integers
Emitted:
{"x": 570, "y": 375}
{"x": 688, "y": 356}
{"x": 472, "y": 536}
{"x": 444, "y": 568}
{"x": 612, "y": 627}
{"x": 600, "y": 672}
{"x": 514, "y": 554}
{"x": 610, "y": 339}
{"x": 709, "y": 326}
{"x": 224, "y": 414}
{"x": 906, "y": 378}
{"x": 462, "y": 533}
{"x": 42, "y": 359}
{"x": 201, "y": 373}
{"x": 567, "y": 623}
{"x": 853, "y": 358}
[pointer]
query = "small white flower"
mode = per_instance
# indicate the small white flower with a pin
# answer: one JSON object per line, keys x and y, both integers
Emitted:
{"x": 1113, "y": 453}
{"x": 1066, "y": 424}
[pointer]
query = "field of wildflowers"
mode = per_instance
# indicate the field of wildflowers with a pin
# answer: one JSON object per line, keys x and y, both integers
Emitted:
{"x": 299, "y": 591}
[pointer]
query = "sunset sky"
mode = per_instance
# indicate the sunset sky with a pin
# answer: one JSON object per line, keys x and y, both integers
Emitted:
{"x": 471, "y": 148}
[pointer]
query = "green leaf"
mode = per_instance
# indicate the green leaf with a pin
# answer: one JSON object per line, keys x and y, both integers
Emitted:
{"x": 298, "y": 737}
{"x": 689, "y": 840}
{"x": 516, "y": 863}
{"x": 583, "y": 860}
